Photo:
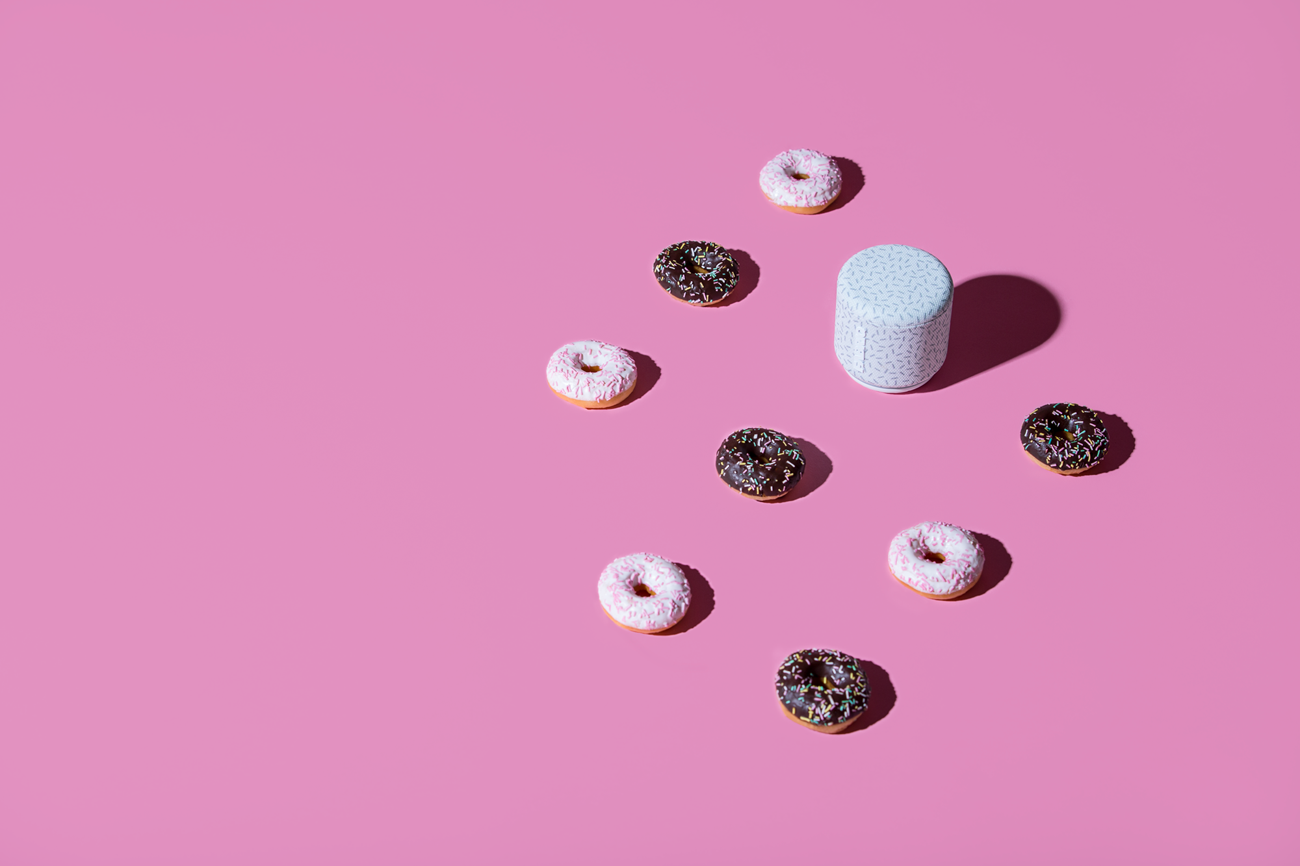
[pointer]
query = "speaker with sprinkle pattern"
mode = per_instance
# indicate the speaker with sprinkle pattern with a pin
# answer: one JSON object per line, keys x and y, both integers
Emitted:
{"x": 893, "y": 305}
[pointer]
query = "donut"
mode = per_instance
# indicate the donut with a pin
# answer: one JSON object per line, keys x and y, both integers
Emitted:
{"x": 938, "y": 560}
{"x": 801, "y": 181}
{"x": 822, "y": 689}
{"x": 697, "y": 272}
{"x": 591, "y": 374}
{"x": 644, "y": 593}
{"x": 1064, "y": 438}
{"x": 759, "y": 463}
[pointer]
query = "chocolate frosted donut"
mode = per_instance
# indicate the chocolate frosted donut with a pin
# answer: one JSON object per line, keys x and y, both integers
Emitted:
{"x": 759, "y": 463}
{"x": 822, "y": 689}
{"x": 697, "y": 272}
{"x": 1065, "y": 438}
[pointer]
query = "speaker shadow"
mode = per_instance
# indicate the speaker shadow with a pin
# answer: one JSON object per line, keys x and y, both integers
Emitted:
{"x": 994, "y": 319}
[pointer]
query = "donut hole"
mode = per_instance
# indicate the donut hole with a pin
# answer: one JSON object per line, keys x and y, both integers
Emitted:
{"x": 819, "y": 674}
{"x": 697, "y": 269}
{"x": 588, "y": 368}
{"x": 799, "y": 175}
{"x": 1061, "y": 431}
{"x": 932, "y": 556}
{"x": 642, "y": 590}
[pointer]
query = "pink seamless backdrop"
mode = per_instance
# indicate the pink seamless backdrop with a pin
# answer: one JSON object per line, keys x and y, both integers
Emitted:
{"x": 298, "y": 554}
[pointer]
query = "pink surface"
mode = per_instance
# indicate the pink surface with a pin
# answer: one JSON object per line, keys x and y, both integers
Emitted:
{"x": 298, "y": 553}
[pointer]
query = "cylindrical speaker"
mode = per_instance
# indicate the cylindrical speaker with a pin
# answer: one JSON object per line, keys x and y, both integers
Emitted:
{"x": 893, "y": 305}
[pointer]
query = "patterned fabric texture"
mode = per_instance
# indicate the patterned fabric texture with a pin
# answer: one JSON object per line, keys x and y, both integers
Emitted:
{"x": 893, "y": 307}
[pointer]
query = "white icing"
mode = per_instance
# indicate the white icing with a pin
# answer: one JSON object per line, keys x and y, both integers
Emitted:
{"x": 566, "y": 376}
{"x": 778, "y": 181}
{"x": 963, "y": 558}
{"x": 617, "y": 590}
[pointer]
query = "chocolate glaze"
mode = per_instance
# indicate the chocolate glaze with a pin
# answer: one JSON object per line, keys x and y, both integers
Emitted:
{"x": 1043, "y": 435}
{"x": 822, "y": 687}
{"x": 673, "y": 269}
{"x": 759, "y": 462}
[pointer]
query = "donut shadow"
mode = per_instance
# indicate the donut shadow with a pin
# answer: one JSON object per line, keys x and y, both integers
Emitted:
{"x": 882, "y": 699}
{"x": 1121, "y": 445}
{"x": 995, "y": 319}
{"x": 997, "y": 564}
{"x": 748, "y": 272}
{"x": 817, "y": 468}
{"x": 701, "y": 602}
{"x": 851, "y": 182}
{"x": 647, "y": 374}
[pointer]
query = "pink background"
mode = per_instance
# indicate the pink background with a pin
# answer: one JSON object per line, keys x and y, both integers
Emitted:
{"x": 298, "y": 554}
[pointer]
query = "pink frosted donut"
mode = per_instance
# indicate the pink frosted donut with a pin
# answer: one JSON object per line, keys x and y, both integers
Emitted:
{"x": 802, "y": 181}
{"x": 591, "y": 374}
{"x": 643, "y": 592}
{"x": 936, "y": 559}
